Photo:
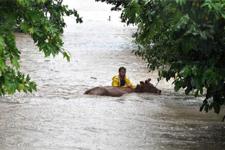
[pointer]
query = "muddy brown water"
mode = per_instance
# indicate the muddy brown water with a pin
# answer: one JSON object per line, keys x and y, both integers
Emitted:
{"x": 58, "y": 116}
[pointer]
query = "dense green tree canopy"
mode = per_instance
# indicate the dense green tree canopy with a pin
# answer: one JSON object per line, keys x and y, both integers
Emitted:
{"x": 184, "y": 40}
{"x": 43, "y": 21}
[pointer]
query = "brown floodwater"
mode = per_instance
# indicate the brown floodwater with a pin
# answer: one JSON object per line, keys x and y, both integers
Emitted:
{"x": 58, "y": 116}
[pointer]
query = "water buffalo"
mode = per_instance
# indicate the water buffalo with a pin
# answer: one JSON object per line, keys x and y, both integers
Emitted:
{"x": 143, "y": 87}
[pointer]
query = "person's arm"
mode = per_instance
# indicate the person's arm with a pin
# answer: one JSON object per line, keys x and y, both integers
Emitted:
{"x": 130, "y": 84}
{"x": 115, "y": 82}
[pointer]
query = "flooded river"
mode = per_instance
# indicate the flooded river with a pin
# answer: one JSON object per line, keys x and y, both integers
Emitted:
{"x": 58, "y": 116}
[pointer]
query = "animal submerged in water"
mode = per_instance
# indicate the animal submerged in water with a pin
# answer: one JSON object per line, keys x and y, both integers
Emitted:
{"x": 143, "y": 87}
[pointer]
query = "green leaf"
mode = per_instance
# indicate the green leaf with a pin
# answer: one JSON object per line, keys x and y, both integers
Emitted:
{"x": 2, "y": 44}
{"x": 66, "y": 55}
{"x": 15, "y": 62}
{"x": 181, "y": 2}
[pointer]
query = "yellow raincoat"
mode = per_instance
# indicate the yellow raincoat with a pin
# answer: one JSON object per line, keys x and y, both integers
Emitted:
{"x": 116, "y": 82}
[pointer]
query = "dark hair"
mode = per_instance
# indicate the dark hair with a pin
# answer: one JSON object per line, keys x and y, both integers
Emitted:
{"x": 122, "y": 68}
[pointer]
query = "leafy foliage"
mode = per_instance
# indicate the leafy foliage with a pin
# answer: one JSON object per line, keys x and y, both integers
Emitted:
{"x": 184, "y": 40}
{"x": 43, "y": 21}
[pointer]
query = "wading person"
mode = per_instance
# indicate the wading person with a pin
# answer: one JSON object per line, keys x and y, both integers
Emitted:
{"x": 121, "y": 80}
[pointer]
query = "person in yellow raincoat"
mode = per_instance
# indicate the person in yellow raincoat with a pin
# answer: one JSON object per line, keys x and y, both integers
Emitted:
{"x": 121, "y": 80}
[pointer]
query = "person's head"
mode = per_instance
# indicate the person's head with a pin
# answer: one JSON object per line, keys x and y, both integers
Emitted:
{"x": 122, "y": 72}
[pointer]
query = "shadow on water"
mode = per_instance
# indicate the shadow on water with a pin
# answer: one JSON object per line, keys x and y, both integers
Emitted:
{"x": 59, "y": 116}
